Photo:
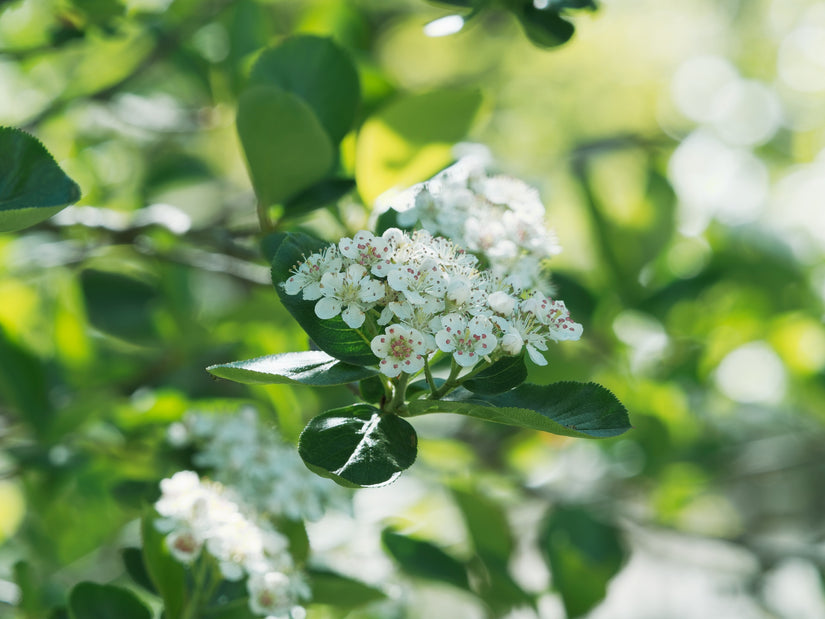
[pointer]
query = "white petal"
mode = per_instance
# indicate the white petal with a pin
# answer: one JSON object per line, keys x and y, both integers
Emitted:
{"x": 380, "y": 345}
{"x": 535, "y": 356}
{"x": 327, "y": 308}
{"x": 389, "y": 368}
{"x": 353, "y": 316}
{"x": 445, "y": 341}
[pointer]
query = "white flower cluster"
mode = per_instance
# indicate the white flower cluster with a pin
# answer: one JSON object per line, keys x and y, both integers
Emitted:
{"x": 199, "y": 514}
{"x": 253, "y": 460}
{"x": 499, "y": 218}
{"x": 430, "y": 296}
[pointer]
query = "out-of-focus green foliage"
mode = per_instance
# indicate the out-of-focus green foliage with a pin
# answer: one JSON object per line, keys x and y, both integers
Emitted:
{"x": 697, "y": 273}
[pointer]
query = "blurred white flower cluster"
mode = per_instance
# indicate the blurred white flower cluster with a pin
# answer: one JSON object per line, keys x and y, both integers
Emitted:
{"x": 499, "y": 218}
{"x": 197, "y": 514}
{"x": 431, "y": 296}
{"x": 253, "y": 460}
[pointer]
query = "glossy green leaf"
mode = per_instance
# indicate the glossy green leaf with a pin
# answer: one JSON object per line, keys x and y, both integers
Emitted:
{"x": 32, "y": 185}
{"x": 340, "y": 591}
{"x": 286, "y": 148}
{"x": 357, "y": 446}
{"x": 325, "y": 193}
{"x": 312, "y": 367}
{"x": 136, "y": 568}
{"x": 89, "y": 600}
{"x": 584, "y": 410}
{"x": 423, "y": 559}
{"x": 23, "y": 385}
{"x": 544, "y": 27}
{"x": 584, "y": 553}
{"x": 167, "y": 575}
{"x": 505, "y": 374}
{"x": 320, "y": 73}
{"x": 411, "y": 139}
{"x": 332, "y": 336}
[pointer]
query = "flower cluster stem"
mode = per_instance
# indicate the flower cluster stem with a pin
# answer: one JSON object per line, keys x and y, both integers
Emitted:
{"x": 397, "y": 404}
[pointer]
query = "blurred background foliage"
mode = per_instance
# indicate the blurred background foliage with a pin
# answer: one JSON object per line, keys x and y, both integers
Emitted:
{"x": 680, "y": 149}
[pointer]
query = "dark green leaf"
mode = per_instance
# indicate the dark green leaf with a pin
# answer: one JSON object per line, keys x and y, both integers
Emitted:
{"x": 133, "y": 562}
{"x": 372, "y": 389}
{"x": 120, "y": 305}
{"x": 23, "y": 385}
{"x": 332, "y": 336}
{"x": 425, "y": 560}
{"x": 505, "y": 374}
{"x": 323, "y": 194}
{"x": 584, "y": 410}
{"x": 32, "y": 185}
{"x": 386, "y": 220}
{"x": 340, "y": 591}
{"x": 358, "y": 446}
{"x": 544, "y": 27}
{"x": 584, "y": 554}
{"x": 286, "y": 148}
{"x": 313, "y": 367}
{"x": 168, "y": 576}
{"x": 411, "y": 139}
{"x": 320, "y": 73}
{"x": 89, "y": 600}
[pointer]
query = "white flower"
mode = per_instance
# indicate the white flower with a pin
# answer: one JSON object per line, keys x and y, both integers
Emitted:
{"x": 418, "y": 281}
{"x": 184, "y": 545}
{"x": 468, "y": 341}
{"x": 275, "y": 594}
{"x": 307, "y": 276}
{"x": 352, "y": 291}
{"x": 401, "y": 349}
{"x": 555, "y": 316}
{"x": 369, "y": 251}
{"x": 523, "y": 329}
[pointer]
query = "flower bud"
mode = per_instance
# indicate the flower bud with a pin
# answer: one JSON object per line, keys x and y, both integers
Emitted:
{"x": 511, "y": 343}
{"x": 501, "y": 303}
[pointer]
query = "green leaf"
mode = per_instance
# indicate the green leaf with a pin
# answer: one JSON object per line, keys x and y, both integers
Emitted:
{"x": 544, "y": 27}
{"x": 32, "y": 185}
{"x": 357, "y": 446}
{"x": 584, "y": 554}
{"x": 340, "y": 591}
{"x": 313, "y": 367}
{"x": 120, "y": 305}
{"x": 136, "y": 568}
{"x": 411, "y": 139}
{"x": 371, "y": 389}
{"x": 89, "y": 600}
{"x": 320, "y": 73}
{"x": 505, "y": 374}
{"x": 425, "y": 560}
{"x": 322, "y": 194}
{"x": 486, "y": 524}
{"x": 583, "y": 410}
{"x": 23, "y": 385}
{"x": 286, "y": 148}
{"x": 167, "y": 575}
{"x": 333, "y": 336}
{"x": 296, "y": 532}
